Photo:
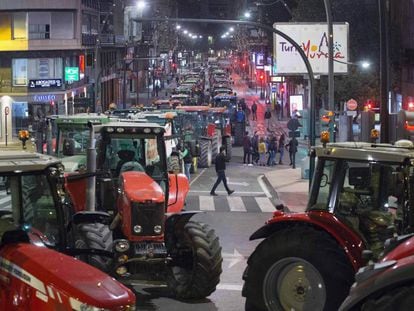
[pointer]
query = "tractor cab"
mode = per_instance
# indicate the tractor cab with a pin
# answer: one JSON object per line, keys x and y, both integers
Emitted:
{"x": 362, "y": 195}
{"x": 34, "y": 213}
{"x": 72, "y": 138}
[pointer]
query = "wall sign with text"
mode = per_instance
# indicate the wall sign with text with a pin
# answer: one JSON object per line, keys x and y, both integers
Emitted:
{"x": 43, "y": 83}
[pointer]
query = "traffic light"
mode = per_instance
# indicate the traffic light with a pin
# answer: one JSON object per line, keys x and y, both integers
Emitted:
{"x": 282, "y": 89}
{"x": 261, "y": 77}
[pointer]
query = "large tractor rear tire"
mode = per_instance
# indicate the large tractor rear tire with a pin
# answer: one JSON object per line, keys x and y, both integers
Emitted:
{"x": 214, "y": 147}
{"x": 95, "y": 236}
{"x": 229, "y": 147}
{"x": 205, "y": 158}
{"x": 297, "y": 268}
{"x": 197, "y": 261}
{"x": 239, "y": 133}
{"x": 401, "y": 298}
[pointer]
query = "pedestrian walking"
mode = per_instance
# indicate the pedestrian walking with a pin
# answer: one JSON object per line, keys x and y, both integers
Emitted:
{"x": 292, "y": 146}
{"x": 277, "y": 110}
{"x": 281, "y": 148}
{"x": 221, "y": 172}
{"x": 247, "y": 148}
{"x": 262, "y": 152}
{"x": 267, "y": 116}
{"x": 254, "y": 111}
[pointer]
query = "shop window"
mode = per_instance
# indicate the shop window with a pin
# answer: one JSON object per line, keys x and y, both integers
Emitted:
{"x": 39, "y": 31}
{"x": 20, "y": 72}
{"x": 19, "y": 25}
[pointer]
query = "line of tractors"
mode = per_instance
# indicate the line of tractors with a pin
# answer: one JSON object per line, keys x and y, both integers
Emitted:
{"x": 113, "y": 204}
{"x": 116, "y": 206}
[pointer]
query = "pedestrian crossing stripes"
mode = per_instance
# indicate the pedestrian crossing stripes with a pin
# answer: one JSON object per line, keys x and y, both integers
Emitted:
{"x": 224, "y": 203}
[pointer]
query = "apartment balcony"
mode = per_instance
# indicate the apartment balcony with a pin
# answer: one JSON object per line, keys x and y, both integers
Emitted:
{"x": 88, "y": 39}
{"x": 112, "y": 40}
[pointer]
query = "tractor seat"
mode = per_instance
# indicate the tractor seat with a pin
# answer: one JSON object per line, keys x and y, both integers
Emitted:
{"x": 124, "y": 156}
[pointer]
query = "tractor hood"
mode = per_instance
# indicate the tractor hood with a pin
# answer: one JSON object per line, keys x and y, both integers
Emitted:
{"x": 54, "y": 275}
{"x": 139, "y": 187}
{"x": 72, "y": 163}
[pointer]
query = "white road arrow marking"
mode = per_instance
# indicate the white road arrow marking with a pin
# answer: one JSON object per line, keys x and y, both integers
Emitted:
{"x": 233, "y": 259}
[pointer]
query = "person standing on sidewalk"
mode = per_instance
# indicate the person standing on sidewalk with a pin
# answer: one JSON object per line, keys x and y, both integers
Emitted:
{"x": 293, "y": 148}
{"x": 281, "y": 147}
{"x": 221, "y": 172}
{"x": 272, "y": 151}
{"x": 254, "y": 111}
{"x": 247, "y": 148}
{"x": 188, "y": 160}
{"x": 262, "y": 152}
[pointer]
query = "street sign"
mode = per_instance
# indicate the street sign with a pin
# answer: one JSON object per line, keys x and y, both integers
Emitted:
{"x": 274, "y": 89}
{"x": 71, "y": 74}
{"x": 44, "y": 83}
{"x": 351, "y": 104}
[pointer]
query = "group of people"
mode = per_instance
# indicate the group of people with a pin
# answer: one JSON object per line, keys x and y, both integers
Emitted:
{"x": 263, "y": 151}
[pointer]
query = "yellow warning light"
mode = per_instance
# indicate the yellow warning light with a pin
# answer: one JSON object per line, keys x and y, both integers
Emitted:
{"x": 324, "y": 137}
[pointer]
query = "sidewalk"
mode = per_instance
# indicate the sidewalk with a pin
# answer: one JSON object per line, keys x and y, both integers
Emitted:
{"x": 288, "y": 188}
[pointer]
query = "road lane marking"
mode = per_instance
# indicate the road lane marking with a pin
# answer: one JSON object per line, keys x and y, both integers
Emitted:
{"x": 201, "y": 173}
{"x": 234, "y": 287}
{"x": 206, "y": 203}
{"x": 236, "y": 204}
{"x": 263, "y": 186}
{"x": 265, "y": 205}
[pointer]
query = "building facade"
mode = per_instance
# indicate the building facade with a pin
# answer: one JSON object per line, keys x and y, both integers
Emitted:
{"x": 51, "y": 56}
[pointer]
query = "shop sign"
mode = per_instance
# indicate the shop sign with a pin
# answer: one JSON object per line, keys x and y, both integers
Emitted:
{"x": 34, "y": 84}
{"x": 71, "y": 74}
{"x": 44, "y": 98}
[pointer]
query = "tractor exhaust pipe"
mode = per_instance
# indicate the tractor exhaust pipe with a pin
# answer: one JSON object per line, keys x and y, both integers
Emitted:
{"x": 91, "y": 168}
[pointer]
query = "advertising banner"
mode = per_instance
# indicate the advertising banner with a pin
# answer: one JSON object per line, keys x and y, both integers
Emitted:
{"x": 313, "y": 38}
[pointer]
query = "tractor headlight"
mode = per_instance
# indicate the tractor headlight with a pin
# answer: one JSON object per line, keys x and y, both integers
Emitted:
{"x": 120, "y": 129}
{"x": 121, "y": 246}
{"x": 137, "y": 229}
{"x": 157, "y": 229}
{"x": 122, "y": 259}
{"x": 110, "y": 129}
{"x": 121, "y": 270}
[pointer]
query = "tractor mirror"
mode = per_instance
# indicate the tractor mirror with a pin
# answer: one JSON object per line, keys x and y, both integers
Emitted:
{"x": 359, "y": 177}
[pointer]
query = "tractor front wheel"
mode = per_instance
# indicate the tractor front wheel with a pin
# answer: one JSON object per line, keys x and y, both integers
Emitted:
{"x": 298, "y": 268}
{"x": 196, "y": 267}
{"x": 95, "y": 236}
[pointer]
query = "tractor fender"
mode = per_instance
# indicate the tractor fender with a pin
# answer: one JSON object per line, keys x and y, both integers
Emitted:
{"x": 348, "y": 239}
{"x": 91, "y": 217}
{"x": 178, "y": 220}
{"x": 178, "y": 190}
{"x": 381, "y": 277}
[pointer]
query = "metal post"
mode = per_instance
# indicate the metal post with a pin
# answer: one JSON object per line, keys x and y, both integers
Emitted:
{"x": 331, "y": 81}
{"x": 383, "y": 20}
{"x": 91, "y": 168}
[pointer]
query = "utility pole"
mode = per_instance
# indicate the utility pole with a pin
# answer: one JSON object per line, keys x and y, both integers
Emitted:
{"x": 383, "y": 7}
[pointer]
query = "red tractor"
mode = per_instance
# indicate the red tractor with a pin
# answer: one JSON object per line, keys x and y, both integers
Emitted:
{"x": 137, "y": 224}
{"x": 361, "y": 195}
{"x": 387, "y": 284}
{"x": 33, "y": 275}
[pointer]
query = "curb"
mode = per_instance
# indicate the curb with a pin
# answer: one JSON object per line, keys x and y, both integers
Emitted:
{"x": 275, "y": 196}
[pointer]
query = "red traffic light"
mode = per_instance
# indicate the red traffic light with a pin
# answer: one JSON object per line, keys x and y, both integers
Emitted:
{"x": 410, "y": 106}
{"x": 261, "y": 77}
{"x": 282, "y": 89}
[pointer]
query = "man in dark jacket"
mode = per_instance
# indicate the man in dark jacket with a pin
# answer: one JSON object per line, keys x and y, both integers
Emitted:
{"x": 247, "y": 148}
{"x": 254, "y": 111}
{"x": 221, "y": 172}
{"x": 293, "y": 148}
